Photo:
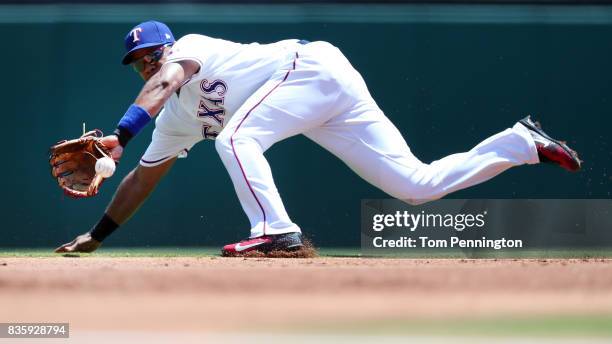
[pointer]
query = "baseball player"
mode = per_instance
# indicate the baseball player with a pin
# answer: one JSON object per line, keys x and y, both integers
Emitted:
{"x": 248, "y": 97}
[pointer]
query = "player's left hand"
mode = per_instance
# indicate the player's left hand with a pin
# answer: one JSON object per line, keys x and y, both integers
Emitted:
{"x": 112, "y": 143}
{"x": 84, "y": 243}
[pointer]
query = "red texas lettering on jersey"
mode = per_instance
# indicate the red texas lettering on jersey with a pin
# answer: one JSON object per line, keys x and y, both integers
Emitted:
{"x": 211, "y": 104}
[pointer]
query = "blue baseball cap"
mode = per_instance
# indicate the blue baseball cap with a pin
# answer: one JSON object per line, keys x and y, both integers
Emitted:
{"x": 145, "y": 35}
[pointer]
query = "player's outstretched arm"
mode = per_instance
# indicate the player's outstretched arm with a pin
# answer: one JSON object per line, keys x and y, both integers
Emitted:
{"x": 139, "y": 183}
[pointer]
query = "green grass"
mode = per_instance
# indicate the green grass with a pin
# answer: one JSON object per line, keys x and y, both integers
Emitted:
{"x": 154, "y": 252}
{"x": 552, "y": 326}
{"x": 324, "y": 252}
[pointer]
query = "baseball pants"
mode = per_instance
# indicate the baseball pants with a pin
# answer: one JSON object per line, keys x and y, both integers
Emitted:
{"x": 319, "y": 94}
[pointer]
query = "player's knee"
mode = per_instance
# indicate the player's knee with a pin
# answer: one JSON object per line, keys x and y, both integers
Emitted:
{"x": 419, "y": 192}
{"x": 408, "y": 195}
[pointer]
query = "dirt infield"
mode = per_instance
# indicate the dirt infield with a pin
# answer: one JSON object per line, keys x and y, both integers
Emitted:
{"x": 237, "y": 294}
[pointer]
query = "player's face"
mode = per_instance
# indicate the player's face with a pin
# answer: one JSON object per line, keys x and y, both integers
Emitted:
{"x": 148, "y": 62}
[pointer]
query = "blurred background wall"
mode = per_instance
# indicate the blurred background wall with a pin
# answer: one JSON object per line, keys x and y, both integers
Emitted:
{"x": 448, "y": 75}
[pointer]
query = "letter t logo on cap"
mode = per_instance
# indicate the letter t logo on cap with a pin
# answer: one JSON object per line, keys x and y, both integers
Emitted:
{"x": 135, "y": 34}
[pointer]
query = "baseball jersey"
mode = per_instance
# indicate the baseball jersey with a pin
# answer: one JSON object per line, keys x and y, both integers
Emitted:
{"x": 229, "y": 73}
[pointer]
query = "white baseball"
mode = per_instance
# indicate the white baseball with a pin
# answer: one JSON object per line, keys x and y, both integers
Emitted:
{"x": 105, "y": 167}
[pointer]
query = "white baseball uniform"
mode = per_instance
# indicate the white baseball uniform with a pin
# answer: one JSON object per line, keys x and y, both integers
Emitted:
{"x": 250, "y": 96}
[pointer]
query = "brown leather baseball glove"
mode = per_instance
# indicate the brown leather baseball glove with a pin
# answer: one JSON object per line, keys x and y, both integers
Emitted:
{"x": 73, "y": 163}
